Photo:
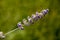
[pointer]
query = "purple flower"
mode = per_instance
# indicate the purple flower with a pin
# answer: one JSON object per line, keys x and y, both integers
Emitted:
{"x": 19, "y": 24}
{"x": 34, "y": 17}
{"x": 30, "y": 20}
{"x": 45, "y": 11}
{"x": 38, "y": 15}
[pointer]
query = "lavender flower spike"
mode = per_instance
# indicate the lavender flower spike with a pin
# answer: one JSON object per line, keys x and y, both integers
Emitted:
{"x": 32, "y": 19}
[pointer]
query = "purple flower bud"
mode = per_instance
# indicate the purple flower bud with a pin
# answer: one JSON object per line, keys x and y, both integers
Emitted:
{"x": 19, "y": 24}
{"x": 38, "y": 15}
{"x": 30, "y": 20}
{"x": 34, "y": 17}
{"x": 45, "y": 11}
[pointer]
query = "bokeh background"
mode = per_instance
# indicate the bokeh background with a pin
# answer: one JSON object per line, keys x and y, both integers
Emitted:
{"x": 13, "y": 11}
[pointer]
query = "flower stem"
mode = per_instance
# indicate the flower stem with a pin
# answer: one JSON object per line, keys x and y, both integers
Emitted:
{"x": 11, "y": 31}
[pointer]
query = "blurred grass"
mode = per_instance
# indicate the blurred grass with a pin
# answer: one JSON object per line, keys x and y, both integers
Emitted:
{"x": 13, "y": 11}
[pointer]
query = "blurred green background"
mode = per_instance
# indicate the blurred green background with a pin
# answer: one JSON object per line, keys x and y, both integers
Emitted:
{"x": 13, "y": 11}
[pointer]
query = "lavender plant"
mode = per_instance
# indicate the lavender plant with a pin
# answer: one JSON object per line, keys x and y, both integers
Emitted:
{"x": 27, "y": 22}
{"x": 33, "y": 18}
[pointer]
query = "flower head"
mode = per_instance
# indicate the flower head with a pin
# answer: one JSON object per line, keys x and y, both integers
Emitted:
{"x": 30, "y": 20}
{"x": 39, "y": 15}
{"x": 45, "y": 11}
{"x": 19, "y": 24}
{"x": 34, "y": 17}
